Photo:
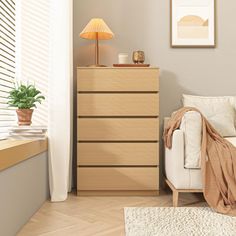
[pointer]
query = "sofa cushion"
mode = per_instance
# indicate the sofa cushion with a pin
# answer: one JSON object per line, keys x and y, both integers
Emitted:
{"x": 219, "y": 111}
{"x": 232, "y": 140}
{"x": 191, "y": 125}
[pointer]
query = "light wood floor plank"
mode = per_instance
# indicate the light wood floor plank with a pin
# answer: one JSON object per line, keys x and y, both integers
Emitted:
{"x": 100, "y": 216}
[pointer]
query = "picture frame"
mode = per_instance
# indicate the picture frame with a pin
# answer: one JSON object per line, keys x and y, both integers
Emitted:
{"x": 193, "y": 23}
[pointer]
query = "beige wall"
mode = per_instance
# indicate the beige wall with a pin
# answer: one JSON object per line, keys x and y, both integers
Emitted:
{"x": 145, "y": 25}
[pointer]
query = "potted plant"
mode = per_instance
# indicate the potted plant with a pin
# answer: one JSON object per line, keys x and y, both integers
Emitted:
{"x": 25, "y": 97}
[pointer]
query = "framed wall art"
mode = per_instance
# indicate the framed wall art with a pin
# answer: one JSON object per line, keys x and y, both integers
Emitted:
{"x": 193, "y": 23}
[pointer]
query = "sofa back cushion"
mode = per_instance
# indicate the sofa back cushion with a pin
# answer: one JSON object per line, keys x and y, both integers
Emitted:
{"x": 219, "y": 111}
{"x": 191, "y": 126}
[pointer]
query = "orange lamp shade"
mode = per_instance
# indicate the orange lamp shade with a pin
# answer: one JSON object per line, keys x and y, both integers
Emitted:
{"x": 96, "y": 29}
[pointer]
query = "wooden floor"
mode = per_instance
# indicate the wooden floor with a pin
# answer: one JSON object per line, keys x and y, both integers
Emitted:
{"x": 82, "y": 216}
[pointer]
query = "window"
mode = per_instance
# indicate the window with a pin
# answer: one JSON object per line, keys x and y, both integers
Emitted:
{"x": 7, "y": 61}
{"x": 33, "y": 49}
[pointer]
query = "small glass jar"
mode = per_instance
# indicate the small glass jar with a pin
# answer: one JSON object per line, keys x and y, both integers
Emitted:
{"x": 138, "y": 57}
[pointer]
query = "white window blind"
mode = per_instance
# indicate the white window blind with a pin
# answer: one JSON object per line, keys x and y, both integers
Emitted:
{"x": 7, "y": 62}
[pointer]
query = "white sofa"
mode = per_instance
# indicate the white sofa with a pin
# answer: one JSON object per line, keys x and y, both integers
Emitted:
{"x": 176, "y": 172}
{"x": 180, "y": 176}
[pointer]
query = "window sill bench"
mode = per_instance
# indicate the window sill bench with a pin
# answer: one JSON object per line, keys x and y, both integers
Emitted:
{"x": 14, "y": 151}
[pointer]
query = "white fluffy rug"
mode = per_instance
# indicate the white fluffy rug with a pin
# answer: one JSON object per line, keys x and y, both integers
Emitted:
{"x": 182, "y": 221}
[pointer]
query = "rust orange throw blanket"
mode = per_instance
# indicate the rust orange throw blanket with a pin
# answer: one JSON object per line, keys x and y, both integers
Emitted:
{"x": 218, "y": 164}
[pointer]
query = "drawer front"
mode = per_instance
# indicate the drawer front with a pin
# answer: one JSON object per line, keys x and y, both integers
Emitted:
{"x": 112, "y": 79}
{"x": 118, "y": 178}
{"x": 118, "y": 104}
{"x": 115, "y": 129}
{"x": 115, "y": 154}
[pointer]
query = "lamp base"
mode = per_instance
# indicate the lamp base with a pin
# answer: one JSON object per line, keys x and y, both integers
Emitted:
{"x": 97, "y": 66}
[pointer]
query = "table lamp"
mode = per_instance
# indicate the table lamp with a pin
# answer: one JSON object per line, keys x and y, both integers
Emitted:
{"x": 97, "y": 30}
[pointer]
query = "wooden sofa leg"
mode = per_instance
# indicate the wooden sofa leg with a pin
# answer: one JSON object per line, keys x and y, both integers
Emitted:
{"x": 176, "y": 192}
{"x": 175, "y": 198}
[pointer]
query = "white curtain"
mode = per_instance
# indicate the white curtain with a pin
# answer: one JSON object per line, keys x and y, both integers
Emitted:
{"x": 60, "y": 99}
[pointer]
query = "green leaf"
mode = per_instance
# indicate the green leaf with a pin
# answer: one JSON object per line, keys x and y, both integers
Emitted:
{"x": 24, "y": 97}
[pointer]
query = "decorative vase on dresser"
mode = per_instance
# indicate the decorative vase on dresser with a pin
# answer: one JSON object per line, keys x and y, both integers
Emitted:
{"x": 117, "y": 131}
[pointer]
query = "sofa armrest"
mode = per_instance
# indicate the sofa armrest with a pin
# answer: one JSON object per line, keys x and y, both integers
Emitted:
{"x": 179, "y": 176}
{"x": 177, "y": 150}
{"x": 174, "y": 157}
{"x": 176, "y": 153}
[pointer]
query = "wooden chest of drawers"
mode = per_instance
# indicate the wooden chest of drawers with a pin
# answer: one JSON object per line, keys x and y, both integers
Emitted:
{"x": 117, "y": 131}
